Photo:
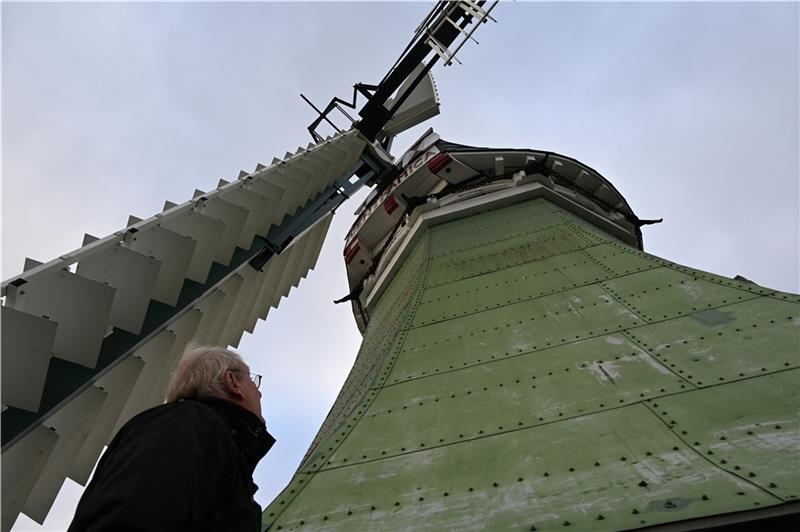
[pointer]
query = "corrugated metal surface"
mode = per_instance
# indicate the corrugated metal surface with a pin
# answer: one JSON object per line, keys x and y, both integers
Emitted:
{"x": 52, "y": 315}
{"x": 526, "y": 371}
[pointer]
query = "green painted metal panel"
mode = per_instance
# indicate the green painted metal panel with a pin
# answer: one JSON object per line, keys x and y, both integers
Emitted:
{"x": 664, "y": 293}
{"x": 618, "y": 260}
{"x": 493, "y": 227}
{"x": 728, "y": 342}
{"x": 537, "y": 323}
{"x": 543, "y": 241}
{"x": 749, "y": 428}
{"x": 624, "y": 465}
{"x": 517, "y": 283}
{"x": 385, "y": 336}
{"x": 525, "y": 370}
{"x": 504, "y": 395}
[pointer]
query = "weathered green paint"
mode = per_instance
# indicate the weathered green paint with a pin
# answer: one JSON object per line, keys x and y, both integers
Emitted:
{"x": 524, "y": 369}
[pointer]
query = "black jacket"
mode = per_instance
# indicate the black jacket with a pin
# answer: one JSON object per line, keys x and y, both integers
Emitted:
{"x": 183, "y": 466}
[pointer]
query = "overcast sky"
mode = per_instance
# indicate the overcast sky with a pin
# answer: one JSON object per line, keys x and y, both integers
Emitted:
{"x": 691, "y": 110}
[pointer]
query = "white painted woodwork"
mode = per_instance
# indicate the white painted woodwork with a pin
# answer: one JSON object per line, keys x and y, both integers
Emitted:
{"x": 132, "y": 274}
{"x": 233, "y": 216}
{"x": 72, "y": 423}
{"x": 174, "y": 251}
{"x": 81, "y": 328}
{"x": 207, "y": 232}
{"x": 22, "y": 465}
{"x": 117, "y": 383}
{"x": 153, "y": 354}
{"x": 27, "y": 343}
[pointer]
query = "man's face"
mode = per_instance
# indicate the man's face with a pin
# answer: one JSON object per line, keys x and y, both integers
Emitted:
{"x": 252, "y": 396}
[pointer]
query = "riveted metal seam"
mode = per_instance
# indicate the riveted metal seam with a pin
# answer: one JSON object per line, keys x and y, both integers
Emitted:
{"x": 400, "y": 338}
{"x": 701, "y": 455}
{"x": 655, "y": 360}
{"x": 588, "y": 337}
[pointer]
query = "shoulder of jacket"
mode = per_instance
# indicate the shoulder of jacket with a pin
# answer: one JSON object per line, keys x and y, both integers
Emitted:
{"x": 181, "y": 412}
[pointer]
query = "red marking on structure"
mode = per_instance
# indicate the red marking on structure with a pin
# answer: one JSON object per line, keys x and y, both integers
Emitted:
{"x": 390, "y": 204}
{"x": 351, "y": 250}
{"x": 438, "y": 163}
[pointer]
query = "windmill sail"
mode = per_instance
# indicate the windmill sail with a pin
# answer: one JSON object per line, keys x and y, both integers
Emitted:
{"x": 205, "y": 271}
{"x": 89, "y": 338}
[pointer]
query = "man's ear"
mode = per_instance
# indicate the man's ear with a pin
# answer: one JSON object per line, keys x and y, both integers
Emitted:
{"x": 232, "y": 386}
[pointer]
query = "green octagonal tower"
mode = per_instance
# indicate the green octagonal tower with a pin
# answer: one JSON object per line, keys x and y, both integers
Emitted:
{"x": 527, "y": 366}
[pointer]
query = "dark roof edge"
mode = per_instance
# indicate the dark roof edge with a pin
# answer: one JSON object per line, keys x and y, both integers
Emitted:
{"x": 445, "y": 145}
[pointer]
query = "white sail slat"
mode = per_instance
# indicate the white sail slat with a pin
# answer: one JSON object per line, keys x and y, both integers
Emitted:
{"x": 124, "y": 284}
{"x": 233, "y": 216}
{"x": 204, "y": 230}
{"x": 174, "y": 252}
{"x": 72, "y": 424}
{"x": 118, "y": 384}
{"x": 81, "y": 328}
{"x": 22, "y": 466}
{"x": 132, "y": 274}
{"x": 258, "y": 209}
{"x": 153, "y": 354}
{"x": 27, "y": 343}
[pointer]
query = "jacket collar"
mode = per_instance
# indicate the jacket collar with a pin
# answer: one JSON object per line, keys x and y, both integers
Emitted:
{"x": 248, "y": 431}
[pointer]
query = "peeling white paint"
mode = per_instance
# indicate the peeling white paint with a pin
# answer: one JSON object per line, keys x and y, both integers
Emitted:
{"x": 585, "y": 507}
{"x": 699, "y": 350}
{"x": 693, "y": 288}
{"x": 602, "y": 376}
{"x": 674, "y": 458}
{"x": 655, "y": 364}
{"x": 622, "y": 311}
{"x": 777, "y": 441}
{"x": 649, "y": 472}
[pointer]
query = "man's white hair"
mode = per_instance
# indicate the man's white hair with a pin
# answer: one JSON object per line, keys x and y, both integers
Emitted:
{"x": 201, "y": 372}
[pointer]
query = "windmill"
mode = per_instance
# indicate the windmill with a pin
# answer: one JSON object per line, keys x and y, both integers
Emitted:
{"x": 265, "y": 251}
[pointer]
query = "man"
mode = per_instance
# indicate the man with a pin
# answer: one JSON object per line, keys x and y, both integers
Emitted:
{"x": 186, "y": 465}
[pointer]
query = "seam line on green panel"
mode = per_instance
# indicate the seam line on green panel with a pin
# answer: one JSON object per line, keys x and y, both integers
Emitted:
{"x": 749, "y": 296}
{"x": 587, "y": 243}
{"x": 588, "y": 337}
{"x": 729, "y": 283}
{"x": 501, "y": 240}
{"x": 488, "y": 435}
{"x": 492, "y": 216}
{"x": 655, "y": 261}
{"x": 737, "y": 285}
{"x": 402, "y": 332}
{"x": 655, "y": 360}
{"x": 706, "y": 276}
{"x": 389, "y": 340}
{"x": 424, "y": 268}
{"x": 544, "y": 423}
{"x": 598, "y": 263}
{"x": 359, "y": 379}
{"x": 694, "y": 387}
{"x": 487, "y": 228}
{"x": 312, "y": 471}
{"x": 415, "y": 281}
{"x": 701, "y": 455}
{"x": 532, "y": 298}
{"x": 622, "y": 302}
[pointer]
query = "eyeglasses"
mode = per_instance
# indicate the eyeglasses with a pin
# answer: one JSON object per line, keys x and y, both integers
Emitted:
{"x": 256, "y": 378}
